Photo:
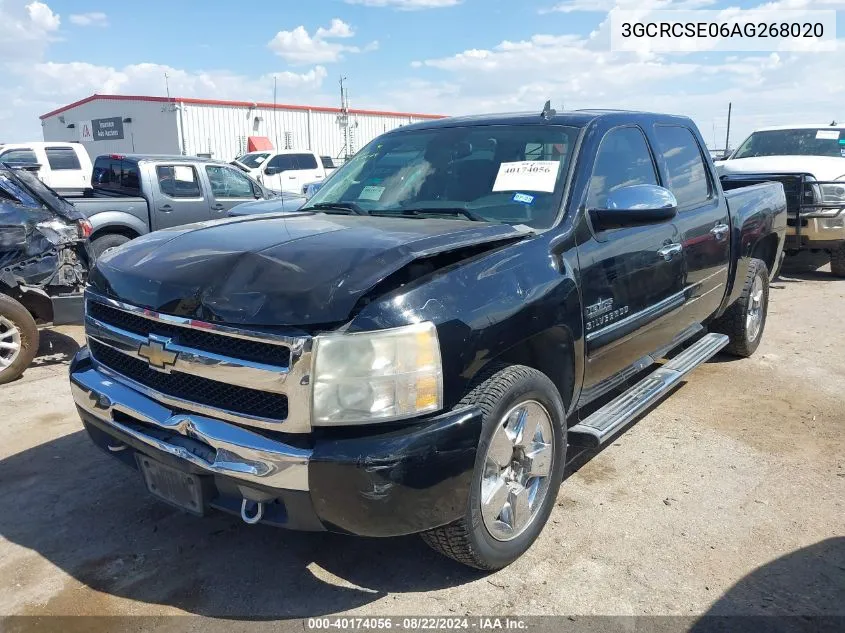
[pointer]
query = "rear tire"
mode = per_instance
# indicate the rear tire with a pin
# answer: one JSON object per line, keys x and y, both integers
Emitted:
{"x": 105, "y": 243}
{"x": 18, "y": 339}
{"x": 837, "y": 261}
{"x": 745, "y": 320}
{"x": 512, "y": 399}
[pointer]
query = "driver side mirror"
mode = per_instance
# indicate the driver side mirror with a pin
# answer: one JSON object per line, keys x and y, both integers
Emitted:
{"x": 636, "y": 205}
{"x": 272, "y": 171}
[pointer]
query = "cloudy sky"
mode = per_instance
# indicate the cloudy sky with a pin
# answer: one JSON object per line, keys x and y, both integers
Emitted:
{"x": 437, "y": 56}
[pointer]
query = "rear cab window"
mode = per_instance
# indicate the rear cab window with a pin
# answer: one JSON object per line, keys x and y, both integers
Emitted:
{"x": 178, "y": 181}
{"x": 62, "y": 158}
{"x": 305, "y": 161}
{"x": 283, "y": 162}
{"x": 685, "y": 169}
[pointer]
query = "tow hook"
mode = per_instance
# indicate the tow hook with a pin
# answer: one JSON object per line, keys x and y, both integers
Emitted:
{"x": 255, "y": 513}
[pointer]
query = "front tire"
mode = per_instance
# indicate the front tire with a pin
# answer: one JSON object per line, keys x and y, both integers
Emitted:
{"x": 18, "y": 339}
{"x": 518, "y": 469}
{"x": 105, "y": 243}
{"x": 745, "y": 320}
{"x": 837, "y": 261}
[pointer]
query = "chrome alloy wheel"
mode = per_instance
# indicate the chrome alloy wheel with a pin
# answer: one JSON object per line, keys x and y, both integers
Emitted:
{"x": 10, "y": 342}
{"x": 517, "y": 468}
{"x": 754, "y": 317}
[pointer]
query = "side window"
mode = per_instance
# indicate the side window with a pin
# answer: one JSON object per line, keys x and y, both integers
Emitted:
{"x": 19, "y": 156}
{"x": 178, "y": 181}
{"x": 306, "y": 161}
{"x": 283, "y": 162}
{"x": 623, "y": 160}
{"x": 129, "y": 180}
{"x": 327, "y": 161}
{"x": 684, "y": 165}
{"x": 228, "y": 183}
{"x": 62, "y": 158}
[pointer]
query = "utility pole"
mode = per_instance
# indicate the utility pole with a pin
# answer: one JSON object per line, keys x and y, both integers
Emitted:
{"x": 275, "y": 114}
{"x": 728, "y": 134}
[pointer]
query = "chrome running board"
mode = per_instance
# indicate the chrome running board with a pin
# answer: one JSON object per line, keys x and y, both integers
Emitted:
{"x": 603, "y": 424}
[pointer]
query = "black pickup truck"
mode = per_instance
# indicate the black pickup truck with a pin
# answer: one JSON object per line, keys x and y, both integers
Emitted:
{"x": 459, "y": 309}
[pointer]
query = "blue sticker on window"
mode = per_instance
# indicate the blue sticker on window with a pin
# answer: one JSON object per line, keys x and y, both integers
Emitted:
{"x": 523, "y": 197}
{"x": 842, "y": 141}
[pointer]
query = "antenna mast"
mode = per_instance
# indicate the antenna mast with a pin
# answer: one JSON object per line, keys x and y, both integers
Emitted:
{"x": 347, "y": 127}
{"x": 728, "y": 134}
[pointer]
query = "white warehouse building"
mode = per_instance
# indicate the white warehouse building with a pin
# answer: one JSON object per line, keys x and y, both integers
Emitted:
{"x": 113, "y": 124}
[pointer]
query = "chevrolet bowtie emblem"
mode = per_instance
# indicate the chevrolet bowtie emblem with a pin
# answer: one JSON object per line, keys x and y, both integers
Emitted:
{"x": 155, "y": 352}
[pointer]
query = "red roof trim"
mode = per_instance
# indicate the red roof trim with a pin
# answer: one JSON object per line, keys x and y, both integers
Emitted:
{"x": 217, "y": 102}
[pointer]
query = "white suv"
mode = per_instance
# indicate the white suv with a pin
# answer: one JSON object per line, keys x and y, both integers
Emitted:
{"x": 285, "y": 170}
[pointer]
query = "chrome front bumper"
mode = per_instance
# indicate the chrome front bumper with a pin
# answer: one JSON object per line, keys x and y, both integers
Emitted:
{"x": 238, "y": 453}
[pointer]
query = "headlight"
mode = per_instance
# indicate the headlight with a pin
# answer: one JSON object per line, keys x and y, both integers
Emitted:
{"x": 834, "y": 193}
{"x": 376, "y": 376}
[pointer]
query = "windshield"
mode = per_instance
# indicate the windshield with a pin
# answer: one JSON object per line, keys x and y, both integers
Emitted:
{"x": 253, "y": 160}
{"x": 801, "y": 142}
{"x": 496, "y": 173}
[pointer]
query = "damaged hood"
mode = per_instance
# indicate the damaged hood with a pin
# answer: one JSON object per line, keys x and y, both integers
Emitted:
{"x": 295, "y": 270}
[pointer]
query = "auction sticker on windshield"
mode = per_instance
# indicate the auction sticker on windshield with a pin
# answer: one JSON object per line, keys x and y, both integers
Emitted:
{"x": 527, "y": 175}
{"x": 371, "y": 193}
{"x": 827, "y": 135}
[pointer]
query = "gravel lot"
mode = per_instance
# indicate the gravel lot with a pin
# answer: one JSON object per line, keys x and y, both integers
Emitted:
{"x": 728, "y": 498}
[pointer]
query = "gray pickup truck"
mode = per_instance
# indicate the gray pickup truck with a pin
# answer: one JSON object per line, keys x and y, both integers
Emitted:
{"x": 135, "y": 194}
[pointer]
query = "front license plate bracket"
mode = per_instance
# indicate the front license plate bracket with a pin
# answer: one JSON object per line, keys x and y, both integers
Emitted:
{"x": 172, "y": 485}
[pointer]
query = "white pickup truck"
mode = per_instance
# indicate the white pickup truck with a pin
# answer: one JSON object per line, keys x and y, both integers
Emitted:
{"x": 64, "y": 167}
{"x": 810, "y": 162}
{"x": 285, "y": 170}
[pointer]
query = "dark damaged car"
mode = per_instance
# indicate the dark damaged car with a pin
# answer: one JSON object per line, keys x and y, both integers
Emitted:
{"x": 43, "y": 265}
{"x": 463, "y": 307}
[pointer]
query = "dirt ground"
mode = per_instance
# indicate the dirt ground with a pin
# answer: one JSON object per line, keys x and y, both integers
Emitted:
{"x": 727, "y": 498}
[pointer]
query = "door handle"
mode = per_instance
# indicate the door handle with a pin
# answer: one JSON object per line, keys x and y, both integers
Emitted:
{"x": 720, "y": 231}
{"x": 218, "y": 207}
{"x": 292, "y": 177}
{"x": 670, "y": 250}
{"x": 165, "y": 208}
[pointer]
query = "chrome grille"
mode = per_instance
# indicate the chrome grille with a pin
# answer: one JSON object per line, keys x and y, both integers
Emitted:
{"x": 250, "y": 350}
{"x": 243, "y": 376}
{"x": 251, "y": 402}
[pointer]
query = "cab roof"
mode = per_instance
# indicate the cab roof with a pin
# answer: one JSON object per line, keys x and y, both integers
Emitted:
{"x": 801, "y": 126}
{"x": 574, "y": 118}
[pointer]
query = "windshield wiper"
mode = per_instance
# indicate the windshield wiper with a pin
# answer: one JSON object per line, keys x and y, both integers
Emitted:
{"x": 470, "y": 215}
{"x": 336, "y": 206}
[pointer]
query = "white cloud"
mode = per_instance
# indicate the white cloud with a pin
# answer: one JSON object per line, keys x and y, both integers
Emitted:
{"x": 42, "y": 16}
{"x": 338, "y": 28}
{"x": 299, "y": 47}
{"x": 95, "y": 18}
{"x": 407, "y": 5}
